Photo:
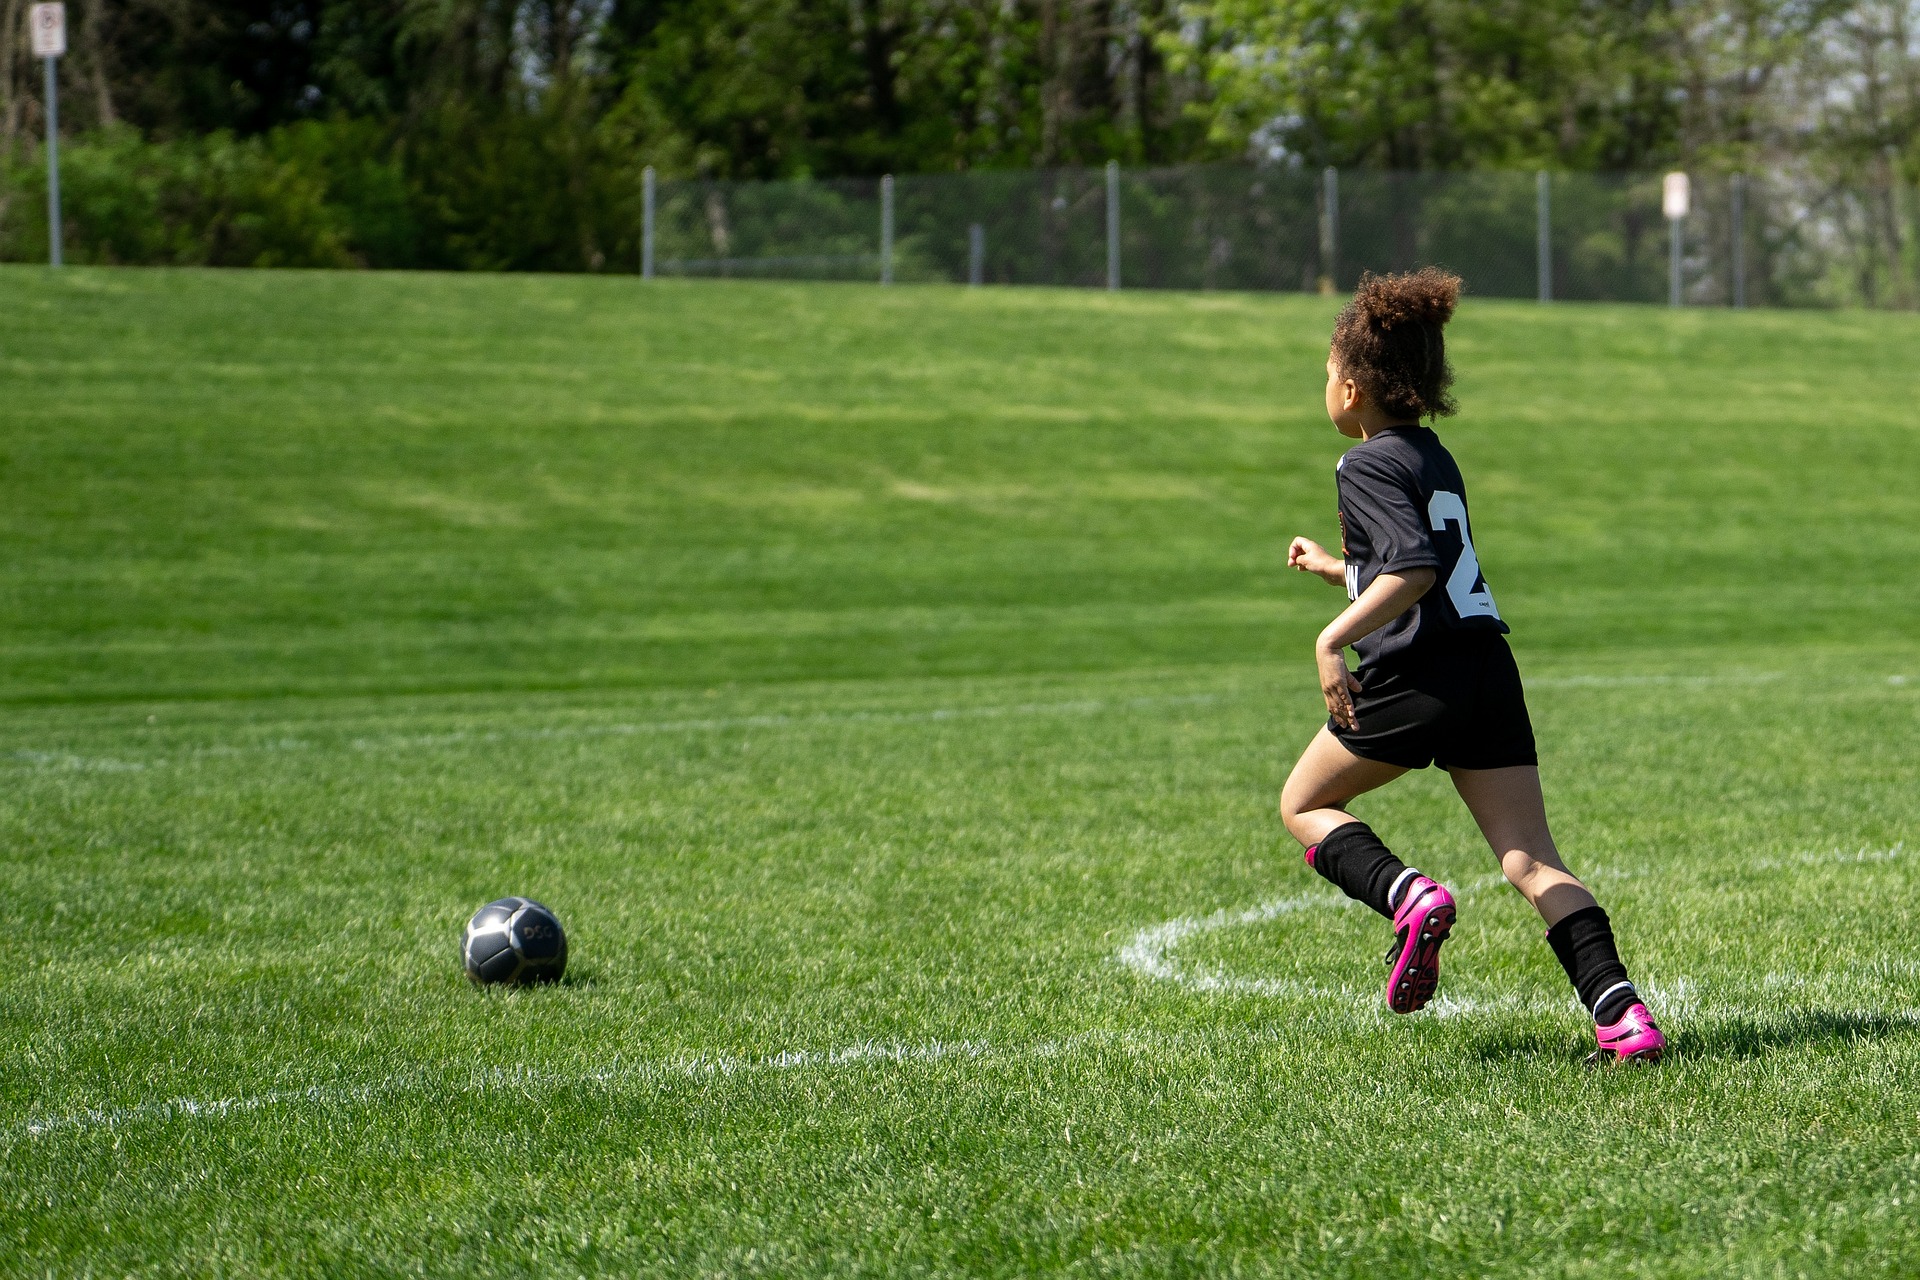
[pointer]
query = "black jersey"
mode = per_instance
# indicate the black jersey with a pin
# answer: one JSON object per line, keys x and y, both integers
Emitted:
{"x": 1403, "y": 506}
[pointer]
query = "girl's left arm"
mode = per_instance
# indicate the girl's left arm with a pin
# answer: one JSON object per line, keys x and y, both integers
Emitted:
{"x": 1386, "y": 598}
{"x": 1309, "y": 556}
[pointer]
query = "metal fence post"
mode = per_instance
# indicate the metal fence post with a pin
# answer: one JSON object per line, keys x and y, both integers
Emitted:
{"x": 54, "y": 230}
{"x": 976, "y": 254}
{"x": 1113, "y": 224}
{"x": 1738, "y": 217}
{"x": 646, "y": 223}
{"x": 1329, "y": 228}
{"x": 1544, "y": 254}
{"x": 886, "y": 229}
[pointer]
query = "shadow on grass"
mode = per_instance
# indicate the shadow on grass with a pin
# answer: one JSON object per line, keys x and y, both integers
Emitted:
{"x": 1751, "y": 1037}
{"x": 580, "y": 979}
{"x": 1728, "y": 1038}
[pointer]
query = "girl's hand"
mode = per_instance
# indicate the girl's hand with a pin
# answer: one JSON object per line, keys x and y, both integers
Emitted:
{"x": 1386, "y": 598}
{"x": 1337, "y": 685}
{"x": 1308, "y": 556}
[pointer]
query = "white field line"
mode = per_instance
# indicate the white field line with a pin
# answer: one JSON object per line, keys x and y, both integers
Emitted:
{"x": 1676, "y": 681}
{"x": 51, "y": 760}
{"x": 1151, "y": 952}
{"x": 701, "y": 1066}
{"x": 692, "y": 1068}
{"x": 1832, "y": 858}
{"x": 1679, "y": 998}
{"x": 62, "y": 760}
{"x": 27, "y": 759}
{"x": 1629, "y": 681}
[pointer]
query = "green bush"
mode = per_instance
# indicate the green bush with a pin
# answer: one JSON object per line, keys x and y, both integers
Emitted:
{"x": 501, "y": 191}
{"x": 211, "y": 201}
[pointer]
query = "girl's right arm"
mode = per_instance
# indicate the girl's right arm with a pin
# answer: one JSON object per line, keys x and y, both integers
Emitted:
{"x": 1386, "y": 598}
{"x": 1309, "y": 556}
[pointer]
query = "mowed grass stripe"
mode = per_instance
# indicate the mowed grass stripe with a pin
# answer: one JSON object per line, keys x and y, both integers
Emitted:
{"x": 851, "y": 760}
{"x": 32, "y": 758}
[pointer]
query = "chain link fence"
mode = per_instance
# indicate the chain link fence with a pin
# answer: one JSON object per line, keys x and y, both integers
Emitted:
{"x": 1745, "y": 240}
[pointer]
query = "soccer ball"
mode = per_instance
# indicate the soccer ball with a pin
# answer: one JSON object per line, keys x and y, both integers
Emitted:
{"x": 515, "y": 940}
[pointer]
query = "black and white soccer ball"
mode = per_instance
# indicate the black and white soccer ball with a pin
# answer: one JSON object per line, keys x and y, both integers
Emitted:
{"x": 515, "y": 940}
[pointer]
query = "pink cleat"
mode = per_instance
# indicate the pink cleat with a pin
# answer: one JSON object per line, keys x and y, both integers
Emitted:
{"x": 1632, "y": 1039}
{"x": 1421, "y": 924}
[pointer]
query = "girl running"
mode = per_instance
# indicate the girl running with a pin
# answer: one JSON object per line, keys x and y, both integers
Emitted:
{"x": 1437, "y": 683}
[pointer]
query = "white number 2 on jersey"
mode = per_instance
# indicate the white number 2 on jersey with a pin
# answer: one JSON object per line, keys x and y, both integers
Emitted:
{"x": 1449, "y": 508}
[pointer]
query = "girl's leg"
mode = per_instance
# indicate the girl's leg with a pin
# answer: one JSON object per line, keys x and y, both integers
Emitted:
{"x": 1513, "y": 817}
{"x": 1313, "y": 803}
{"x": 1346, "y": 851}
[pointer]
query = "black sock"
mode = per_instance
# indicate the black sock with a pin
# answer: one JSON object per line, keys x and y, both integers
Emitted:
{"x": 1583, "y": 943}
{"x": 1365, "y": 869}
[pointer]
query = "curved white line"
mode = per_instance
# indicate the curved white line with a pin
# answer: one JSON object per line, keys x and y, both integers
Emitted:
{"x": 1150, "y": 952}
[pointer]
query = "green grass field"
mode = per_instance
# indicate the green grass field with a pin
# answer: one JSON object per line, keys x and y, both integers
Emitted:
{"x": 891, "y": 690}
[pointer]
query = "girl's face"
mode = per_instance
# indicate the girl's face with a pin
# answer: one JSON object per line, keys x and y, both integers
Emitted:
{"x": 1343, "y": 402}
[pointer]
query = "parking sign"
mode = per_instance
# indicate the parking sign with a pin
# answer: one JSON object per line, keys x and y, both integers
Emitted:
{"x": 49, "y": 23}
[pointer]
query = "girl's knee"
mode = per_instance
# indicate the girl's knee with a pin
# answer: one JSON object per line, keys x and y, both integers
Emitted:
{"x": 1295, "y": 803}
{"x": 1292, "y": 803}
{"x": 1290, "y": 817}
{"x": 1524, "y": 868}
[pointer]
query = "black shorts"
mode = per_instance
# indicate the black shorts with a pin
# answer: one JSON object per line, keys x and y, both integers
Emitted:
{"x": 1457, "y": 704}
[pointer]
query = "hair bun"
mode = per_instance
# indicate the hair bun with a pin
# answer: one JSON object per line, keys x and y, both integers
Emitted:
{"x": 1427, "y": 296}
{"x": 1391, "y": 340}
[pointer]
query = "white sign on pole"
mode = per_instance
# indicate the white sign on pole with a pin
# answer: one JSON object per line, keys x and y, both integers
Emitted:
{"x": 1675, "y": 196}
{"x": 49, "y": 23}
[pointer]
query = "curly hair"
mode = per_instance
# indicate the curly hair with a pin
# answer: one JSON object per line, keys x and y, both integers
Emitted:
{"x": 1389, "y": 340}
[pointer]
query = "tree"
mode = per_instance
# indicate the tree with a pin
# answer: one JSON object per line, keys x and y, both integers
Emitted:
{"x": 1417, "y": 84}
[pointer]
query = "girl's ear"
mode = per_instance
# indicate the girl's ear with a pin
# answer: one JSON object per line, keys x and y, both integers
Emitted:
{"x": 1350, "y": 395}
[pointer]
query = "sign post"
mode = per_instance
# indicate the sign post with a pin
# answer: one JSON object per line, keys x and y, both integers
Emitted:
{"x": 1543, "y": 234}
{"x": 646, "y": 223}
{"x": 49, "y": 26}
{"x": 886, "y": 228}
{"x": 1113, "y": 224}
{"x": 1675, "y": 196}
{"x": 1738, "y": 218}
{"x": 1329, "y": 228}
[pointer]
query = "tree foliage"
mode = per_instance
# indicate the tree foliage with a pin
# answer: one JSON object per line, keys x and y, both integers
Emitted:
{"x": 1418, "y": 84}
{"x": 511, "y": 133}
